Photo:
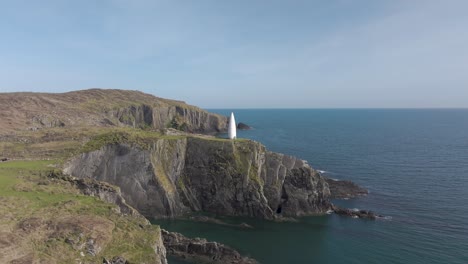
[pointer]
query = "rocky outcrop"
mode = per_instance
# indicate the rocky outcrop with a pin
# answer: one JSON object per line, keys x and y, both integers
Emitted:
{"x": 242, "y": 126}
{"x": 201, "y": 250}
{"x": 341, "y": 189}
{"x": 176, "y": 176}
{"x": 355, "y": 213}
{"x": 102, "y": 190}
{"x": 115, "y": 260}
{"x": 109, "y": 194}
{"x": 188, "y": 119}
{"x": 46, "y": 121}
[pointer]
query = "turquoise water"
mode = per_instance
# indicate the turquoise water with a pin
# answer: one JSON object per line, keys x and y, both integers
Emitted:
{"x": 414, "y": 162}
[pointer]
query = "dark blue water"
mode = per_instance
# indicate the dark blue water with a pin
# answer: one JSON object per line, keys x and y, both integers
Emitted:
{"x": 414, "y": 162}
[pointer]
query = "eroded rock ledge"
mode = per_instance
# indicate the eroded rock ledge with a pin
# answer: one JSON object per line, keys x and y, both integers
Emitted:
{"x": 201, "y": 250}
{"x": 343, "y": 189}
{"x": 367, "y": 214}
{"x": 102, "y": 190}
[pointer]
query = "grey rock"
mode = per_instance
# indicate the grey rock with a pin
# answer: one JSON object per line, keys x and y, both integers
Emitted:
{"x": 340, "y": 189}
{"x": 201, "y": 250}
{"x": 191, "y": 174}
{"x": 102, "y": 190}
{"x": 115, "y": 260}
{"x": 43, "y": 120}
{"x": 91, "y": 247}
{"x": 185, "y": 118}
{"x": 356, "y": 213}
{"x": 242, "y": 126}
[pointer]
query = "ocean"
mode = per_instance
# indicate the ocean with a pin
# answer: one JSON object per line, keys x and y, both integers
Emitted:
{"x": 414, "y": 162}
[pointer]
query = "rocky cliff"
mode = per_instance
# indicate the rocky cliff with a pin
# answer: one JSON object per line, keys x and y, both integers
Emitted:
{"x": 112, "y": 195}
{"x": 199, "y": 250}
{"x": 177, "y": 175}
{"x": 99, "y": 107}
{"x": 45, "y": 218}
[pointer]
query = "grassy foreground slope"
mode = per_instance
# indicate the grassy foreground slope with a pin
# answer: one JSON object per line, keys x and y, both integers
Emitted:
{"x": 45, "y": 220}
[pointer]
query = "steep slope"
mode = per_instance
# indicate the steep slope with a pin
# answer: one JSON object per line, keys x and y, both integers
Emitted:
{"x": 47, "y": 219}
{"x": 174, "y": 176}
{"x": 98, "y": 107}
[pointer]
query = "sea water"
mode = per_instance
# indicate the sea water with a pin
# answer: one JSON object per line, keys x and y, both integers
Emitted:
{"x": 413, "y": 162}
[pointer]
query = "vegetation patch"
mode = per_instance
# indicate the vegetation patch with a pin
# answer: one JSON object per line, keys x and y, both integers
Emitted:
{"x": 50, "y": 221}
{"x": 179, "y": 124}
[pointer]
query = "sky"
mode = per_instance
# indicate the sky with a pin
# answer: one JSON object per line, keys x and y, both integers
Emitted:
{"x": 243, "y": 53}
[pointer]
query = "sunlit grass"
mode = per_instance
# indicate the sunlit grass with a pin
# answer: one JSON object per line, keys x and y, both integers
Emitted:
{"x": 27, "y": 193}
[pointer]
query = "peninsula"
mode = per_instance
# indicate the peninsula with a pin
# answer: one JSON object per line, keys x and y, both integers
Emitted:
{"x": 84, "y": 170}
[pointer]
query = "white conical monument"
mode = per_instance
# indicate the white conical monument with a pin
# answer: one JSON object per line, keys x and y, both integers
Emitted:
{"x": 232, "y": 130}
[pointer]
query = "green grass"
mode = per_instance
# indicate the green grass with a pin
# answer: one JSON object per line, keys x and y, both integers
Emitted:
{"x": 139, "y": 137}
{"x": 26, "y": 181}
{"x": 63, "y": 143}
{"x": 9, "y": 171}
{"x": 27, "y": 193}
{"x": 18, "y": 165}
{"x": 142, "y": 138}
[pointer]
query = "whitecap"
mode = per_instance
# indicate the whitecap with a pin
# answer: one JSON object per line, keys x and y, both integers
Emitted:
{"x": 329, "y": 211}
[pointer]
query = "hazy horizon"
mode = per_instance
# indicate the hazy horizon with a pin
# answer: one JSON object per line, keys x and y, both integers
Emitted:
{"x": 337, "y": 54}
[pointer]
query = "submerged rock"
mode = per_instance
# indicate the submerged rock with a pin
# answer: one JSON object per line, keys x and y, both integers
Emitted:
{"x": 207, "y": 219}
{"x": 201, "y": 250}
{"x": 356, "y": 213}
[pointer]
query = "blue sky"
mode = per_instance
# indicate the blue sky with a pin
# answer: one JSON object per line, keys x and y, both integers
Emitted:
{"x": 243, "y": 54}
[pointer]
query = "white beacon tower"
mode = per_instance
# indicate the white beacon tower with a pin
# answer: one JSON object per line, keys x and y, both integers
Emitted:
{"x": 232, "y": 133}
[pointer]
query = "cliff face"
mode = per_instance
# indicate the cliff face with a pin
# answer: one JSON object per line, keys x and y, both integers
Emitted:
{"x": 102, "y": 108}
{"x": 188, "y": 119}
{"x": 187, "y": 174}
